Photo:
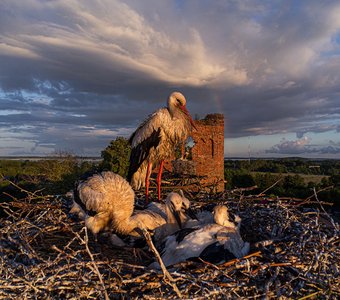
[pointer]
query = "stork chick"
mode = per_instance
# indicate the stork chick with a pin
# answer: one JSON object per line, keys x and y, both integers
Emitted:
{"x": 170, "y": 217}
{"x": 177, "y": 211}
{"x": 205, "y": 241}
{"x": 106, "y": 201}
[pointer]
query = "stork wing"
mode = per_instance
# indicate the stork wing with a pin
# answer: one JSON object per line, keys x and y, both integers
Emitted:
{"x": 146, "y": 137}
{"x": 88, "y": 199}
{"x": 140, "y": 153}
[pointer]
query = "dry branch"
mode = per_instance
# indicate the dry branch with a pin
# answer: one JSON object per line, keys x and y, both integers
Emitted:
{"x": 168, "y": 277}
{"x": 294, "y": 254}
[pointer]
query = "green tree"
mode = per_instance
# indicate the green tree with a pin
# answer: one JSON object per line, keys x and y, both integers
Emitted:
{"x": 116, "y": 156}
{"x": 55, "y": 169}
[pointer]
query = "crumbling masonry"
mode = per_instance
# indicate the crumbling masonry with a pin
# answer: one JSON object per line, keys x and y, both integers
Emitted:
{"x": 205, "y": 158}
{"x": 208, "y": 151}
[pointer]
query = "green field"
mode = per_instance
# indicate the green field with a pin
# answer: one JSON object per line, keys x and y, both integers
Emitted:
{"x": 316, "y": 179}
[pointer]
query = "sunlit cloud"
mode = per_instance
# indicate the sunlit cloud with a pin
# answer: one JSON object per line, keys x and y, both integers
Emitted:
{"x": 271, "y": 67}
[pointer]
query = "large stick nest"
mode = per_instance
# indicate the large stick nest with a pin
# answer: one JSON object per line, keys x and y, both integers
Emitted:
{"x": 45, "y": 253}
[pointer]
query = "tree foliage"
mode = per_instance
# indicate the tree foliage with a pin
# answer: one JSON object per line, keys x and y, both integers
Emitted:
{"x": 116, "y": 156}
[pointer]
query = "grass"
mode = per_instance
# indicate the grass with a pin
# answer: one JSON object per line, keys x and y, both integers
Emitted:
{"x": 316, "y": 179}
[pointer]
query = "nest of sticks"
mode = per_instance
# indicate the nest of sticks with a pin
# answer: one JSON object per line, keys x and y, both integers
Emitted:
{"x": 46, "y": 253}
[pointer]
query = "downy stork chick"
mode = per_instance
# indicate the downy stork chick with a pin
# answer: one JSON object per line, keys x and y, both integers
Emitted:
{"x": 223, "y": 217}
{"x": 171, "y": 214}
{"x": 106, "y": 201}
{"x": 154, "y": 141}
{"x": 205, "y": 217}
{"x": 180, "y": 199}
{"x": 176, "y": 209}
{"x": 164, "y": 219}
{"x": 204, "y": 240}
{"x": 103, "y": 200}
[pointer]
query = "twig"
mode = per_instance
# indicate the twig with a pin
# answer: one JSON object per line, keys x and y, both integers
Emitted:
{"x": 208, "y": 263}
{"x": 167, "y": 275}
{"x": 267, "y": 189}
{"x": 85, "y": 240}
{"x": 307, "y": 200}
{"x": 236, "y": 260}
{"x": 330, "y": 218}
{"x": 244, "y": 189}
{"x": 26, "y": 191}
{"x": 312, "y": 295}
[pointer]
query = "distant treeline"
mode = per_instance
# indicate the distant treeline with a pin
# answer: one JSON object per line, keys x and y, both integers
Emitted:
{"x": 50, "y": 176}
{"x": 287, "y": 165}
{"x": 293, "y": 177}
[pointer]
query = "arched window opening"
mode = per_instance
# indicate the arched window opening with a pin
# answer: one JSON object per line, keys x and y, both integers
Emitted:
{"x": 212, "y": 148}
{"x": 189, "y": 144}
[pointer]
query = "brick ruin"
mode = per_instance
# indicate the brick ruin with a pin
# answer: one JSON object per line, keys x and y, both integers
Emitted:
{"x": 208, "y": 151}
{"x": 207, "y": 154}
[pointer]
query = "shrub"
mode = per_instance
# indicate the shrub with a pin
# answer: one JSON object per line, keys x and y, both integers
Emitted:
{"x": 116, "y": 156}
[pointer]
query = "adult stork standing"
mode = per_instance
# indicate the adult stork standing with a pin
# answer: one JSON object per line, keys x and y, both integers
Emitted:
{"x": 155, "y": 140}
{"x": 106, "y": 202}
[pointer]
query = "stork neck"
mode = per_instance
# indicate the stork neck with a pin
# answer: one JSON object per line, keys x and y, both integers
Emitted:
{"x": 126, "y": 225}
{"x": 174, "y": 111}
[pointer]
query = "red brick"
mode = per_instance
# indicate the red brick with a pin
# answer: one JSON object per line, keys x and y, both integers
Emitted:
{"x": 208, "y": 151}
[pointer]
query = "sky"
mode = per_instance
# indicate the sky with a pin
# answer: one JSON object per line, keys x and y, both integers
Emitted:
{"x": 76, "y": 74}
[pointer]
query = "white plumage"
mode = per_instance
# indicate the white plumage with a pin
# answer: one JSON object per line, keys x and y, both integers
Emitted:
{"x": 170, "y": 217}
{"x": 155, "y": 140}
{"x": 176, "y": 215}
{"x": 179, "y": 201}
{"x": 106, "y": 202}
{"x": 213, "y": 242}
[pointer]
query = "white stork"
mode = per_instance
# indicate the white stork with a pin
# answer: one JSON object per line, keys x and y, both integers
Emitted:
{"x": 205, "y": 217}
{"x": 181, "y": 200}
{"x": 213, "y": 242}
{"x": 174, "y": 222}
{"x": 173, "y": 215}
{"x": 155, "y": 140}
{"x": 106, "y": 202}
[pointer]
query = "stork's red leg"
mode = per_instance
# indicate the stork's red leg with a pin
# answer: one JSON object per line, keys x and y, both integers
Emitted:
{"x": 159, "y": 179}
{"x": 147, "y": 183}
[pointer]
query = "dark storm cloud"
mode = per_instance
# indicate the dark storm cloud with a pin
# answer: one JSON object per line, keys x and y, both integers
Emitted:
{"x": 98, "y": 68}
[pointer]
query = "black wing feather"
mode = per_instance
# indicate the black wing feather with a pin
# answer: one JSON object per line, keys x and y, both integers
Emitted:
{"x": 215, "y": 253}
{"x": 140, "y": 153}
{"x": 181, "y": 234}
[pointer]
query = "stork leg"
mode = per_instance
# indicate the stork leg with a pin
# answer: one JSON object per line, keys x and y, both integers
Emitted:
{"x": 147, "y": 183}
{"x": 159, "y": 179}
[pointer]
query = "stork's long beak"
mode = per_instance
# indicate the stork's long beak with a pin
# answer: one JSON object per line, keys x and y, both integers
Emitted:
{"x": 184, "y": 109}
{"x": 176, "y": 214}
{"x": 178, "y": 218}
{"x": 190, "y": 213}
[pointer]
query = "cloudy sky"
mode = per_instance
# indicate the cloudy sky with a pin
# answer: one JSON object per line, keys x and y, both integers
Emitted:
{"x": 75, "y": 74}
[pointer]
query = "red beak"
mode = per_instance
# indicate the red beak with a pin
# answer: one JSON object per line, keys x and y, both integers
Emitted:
{"x": 184, "y": 109}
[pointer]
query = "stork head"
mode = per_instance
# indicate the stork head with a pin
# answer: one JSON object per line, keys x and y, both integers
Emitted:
{"x": 177, "y": 102}
{"x": 220, "y": 213}
{"x": 221, "y": 216}
{"x": 178, "y": 206}
{"x": 186, "y": 207}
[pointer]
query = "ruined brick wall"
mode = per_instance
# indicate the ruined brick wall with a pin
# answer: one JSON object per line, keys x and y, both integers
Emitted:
{"x": 208, "y": 151}
{"x": 207, "y": 154}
